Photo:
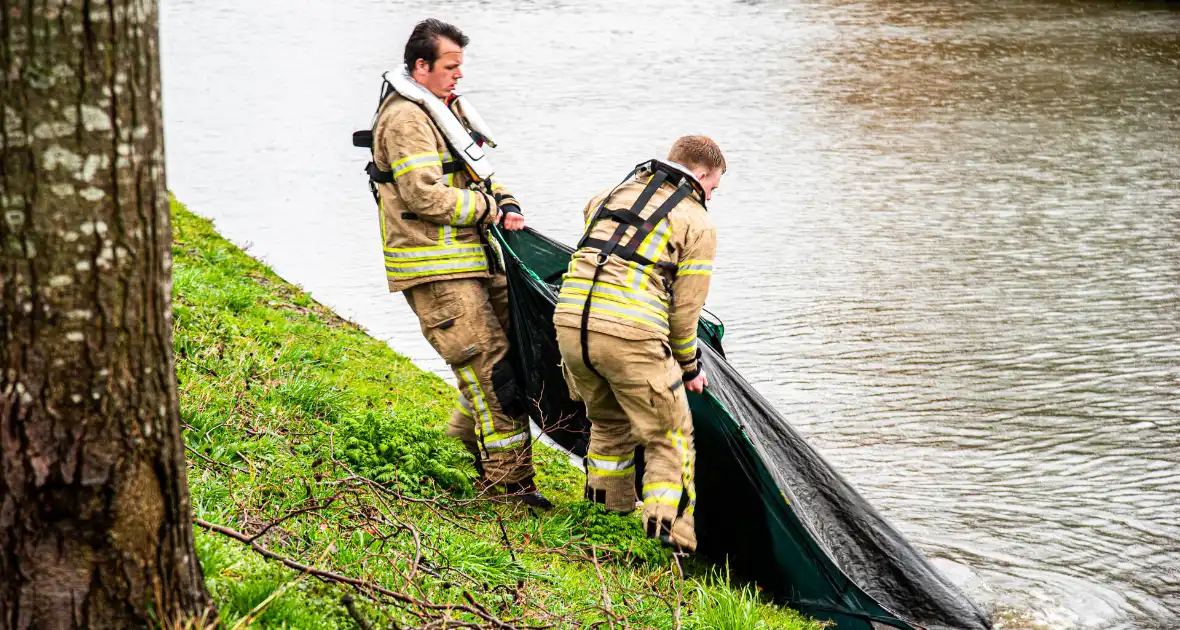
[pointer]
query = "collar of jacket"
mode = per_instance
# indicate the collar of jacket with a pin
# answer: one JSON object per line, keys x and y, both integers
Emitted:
{"x": 682, "y": 169}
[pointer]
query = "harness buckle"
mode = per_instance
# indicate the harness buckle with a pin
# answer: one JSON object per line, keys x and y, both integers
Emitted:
{"x": 600, "y": 259}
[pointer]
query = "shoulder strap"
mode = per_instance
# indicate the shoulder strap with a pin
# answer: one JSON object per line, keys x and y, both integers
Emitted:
{"x": 628, "y": 252}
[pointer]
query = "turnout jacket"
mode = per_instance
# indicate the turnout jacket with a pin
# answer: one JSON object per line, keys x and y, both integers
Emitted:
{"x": 433, "y": 216}
{"x": 633, "y": 300}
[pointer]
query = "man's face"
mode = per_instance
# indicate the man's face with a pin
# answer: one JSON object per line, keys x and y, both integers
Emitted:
{"x": 710, "y": 181}
{"x": 441, "y": 79}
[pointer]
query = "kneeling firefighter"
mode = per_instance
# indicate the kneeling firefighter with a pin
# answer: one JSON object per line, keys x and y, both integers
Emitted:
{"x": 626, "y": 323}
{"x": 437, "y": 196}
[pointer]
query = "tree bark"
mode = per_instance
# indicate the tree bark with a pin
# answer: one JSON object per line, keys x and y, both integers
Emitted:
{"x": 95, "y": 524}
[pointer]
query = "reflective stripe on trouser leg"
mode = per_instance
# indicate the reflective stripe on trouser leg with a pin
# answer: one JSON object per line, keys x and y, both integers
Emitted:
{"x": 610, "y": 462}
{"x": 610, "y": 458}
{"x": 645, "y": 394}
{"x": 462, "y": 426}
{"x": 472, "y": 343}
{"x": 610, "y": 479}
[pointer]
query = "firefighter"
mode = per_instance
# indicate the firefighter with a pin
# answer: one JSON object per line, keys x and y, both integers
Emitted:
{"x": 435, "y": 207}
{"x": 626, "y": 324}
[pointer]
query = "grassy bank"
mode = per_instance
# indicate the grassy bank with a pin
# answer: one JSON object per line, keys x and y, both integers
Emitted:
{"x": 312, "y": 442}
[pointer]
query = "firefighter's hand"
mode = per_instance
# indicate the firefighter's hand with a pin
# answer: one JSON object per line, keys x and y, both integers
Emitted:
{"x": 698, "y": 384}
{"x": 513, "y": 221}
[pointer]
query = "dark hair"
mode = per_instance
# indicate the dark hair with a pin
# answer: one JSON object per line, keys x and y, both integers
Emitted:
{"x": 423, "y": 42}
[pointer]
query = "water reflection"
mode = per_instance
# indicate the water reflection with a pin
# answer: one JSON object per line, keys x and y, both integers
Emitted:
{"x": 949, "y": 240}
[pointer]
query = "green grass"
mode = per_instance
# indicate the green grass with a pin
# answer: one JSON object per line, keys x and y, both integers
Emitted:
{"x": 288, "y": 410}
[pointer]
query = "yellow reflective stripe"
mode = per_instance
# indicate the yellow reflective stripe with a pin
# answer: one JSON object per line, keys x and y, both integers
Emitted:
{"x": 600, "y": 472}
{"x": 479, "y": 402}
{"x": 612, "y": 458}
{"x": 438, "y": 269}
{"x": 610, "y": 466}
{"x": 405, "y": 264}
{"x": 695, "y": 268}
{"x": 642, "y": 296}
{"x": 414, "y": 162}
{"x": 441, "y": 253}
{"x": 680, "y": 442}
{"x": 460, "y": 198}
{"x": 613, "y": 309}
{"x": 611, "y": 295}
{"x": 381, "y": 216}
{"x": 465, "y": 406}
{"x": 406, "y": 252}
{"x": 684, "y": 347}
{"x": 665, "y": 493}
{"x": 602, "y": 311}
{"x": 662, "y": 244}
{"x": 649, "y": 247}
{"x": 498, "y": 442}
{"x": 414, "y": 157}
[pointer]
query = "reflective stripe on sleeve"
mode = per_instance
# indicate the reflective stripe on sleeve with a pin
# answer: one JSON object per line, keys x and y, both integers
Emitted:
{"x": 414, "y": 162}
{"x": 684, "y": 349}
{"x": 695, "y": 268}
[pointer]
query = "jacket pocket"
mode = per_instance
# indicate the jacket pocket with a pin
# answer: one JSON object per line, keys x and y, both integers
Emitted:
{"x": 445, "y": 329}
{"x": 569, "y": 382}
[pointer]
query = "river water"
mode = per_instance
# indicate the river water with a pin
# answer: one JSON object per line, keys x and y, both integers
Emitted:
{"x": 949, "y": 239}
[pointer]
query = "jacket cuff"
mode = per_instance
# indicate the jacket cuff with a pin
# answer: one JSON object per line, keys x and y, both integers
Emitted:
{"x": 504, "y": 200}
{"x": 692, "y": 369}
{"x": 489, "y": 209}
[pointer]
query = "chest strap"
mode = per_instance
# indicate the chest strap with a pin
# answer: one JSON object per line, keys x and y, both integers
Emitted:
{"x": 386, "y": 177}
{"x": 643, "y": 228}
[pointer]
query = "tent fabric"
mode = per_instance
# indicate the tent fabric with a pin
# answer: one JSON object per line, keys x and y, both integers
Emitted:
{"x": 767, "y": 503}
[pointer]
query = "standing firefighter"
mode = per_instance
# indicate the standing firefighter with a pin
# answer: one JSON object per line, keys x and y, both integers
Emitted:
{"x": 437, "y": 197}
{"x": 626, "y": 326}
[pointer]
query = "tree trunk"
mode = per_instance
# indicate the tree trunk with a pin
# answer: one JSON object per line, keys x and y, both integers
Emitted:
{"x": 95, "y": 525}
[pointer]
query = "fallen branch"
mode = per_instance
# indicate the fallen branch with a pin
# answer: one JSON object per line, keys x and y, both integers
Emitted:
{"x": 214, "y": 461}
{"x": 362, "y": 584}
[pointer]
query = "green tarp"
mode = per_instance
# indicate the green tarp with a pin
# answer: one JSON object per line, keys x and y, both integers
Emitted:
{"x": 768, "y": 504}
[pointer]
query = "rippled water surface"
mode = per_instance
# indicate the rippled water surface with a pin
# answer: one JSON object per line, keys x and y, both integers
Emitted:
{"x": 949, "y": 235}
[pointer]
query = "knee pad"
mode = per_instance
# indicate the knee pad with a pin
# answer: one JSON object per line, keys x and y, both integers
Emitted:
{"x": 507, "y": 390}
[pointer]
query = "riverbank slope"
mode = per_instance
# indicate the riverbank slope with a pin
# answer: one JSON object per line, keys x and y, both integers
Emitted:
{"x": 313, "y": 445}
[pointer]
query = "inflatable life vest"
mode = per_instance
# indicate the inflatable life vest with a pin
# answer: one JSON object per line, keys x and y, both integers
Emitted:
{"x": 464, "y": 145}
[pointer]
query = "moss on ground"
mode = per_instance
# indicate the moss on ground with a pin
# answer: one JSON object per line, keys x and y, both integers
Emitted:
{"x": 321, "y": 441}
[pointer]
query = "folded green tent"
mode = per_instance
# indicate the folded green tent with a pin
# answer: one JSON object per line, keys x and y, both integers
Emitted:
{"x": 767, "y": 503}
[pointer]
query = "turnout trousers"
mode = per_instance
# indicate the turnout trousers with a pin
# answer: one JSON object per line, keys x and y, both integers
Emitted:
{"x": 466, "y": 322}
{"x": 636, "y": 399}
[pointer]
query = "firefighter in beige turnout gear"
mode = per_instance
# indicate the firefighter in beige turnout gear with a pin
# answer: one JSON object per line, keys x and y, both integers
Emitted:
{"x": 626, "y": 323}
{"x": 434, "y": 216}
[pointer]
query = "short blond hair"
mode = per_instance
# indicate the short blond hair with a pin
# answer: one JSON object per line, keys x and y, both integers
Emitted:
{"x": 697, "y": 152}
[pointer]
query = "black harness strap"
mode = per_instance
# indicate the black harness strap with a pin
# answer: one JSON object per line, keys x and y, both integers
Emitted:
{"x": 642, "y": 231}
{"x": 386, "y": 177}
